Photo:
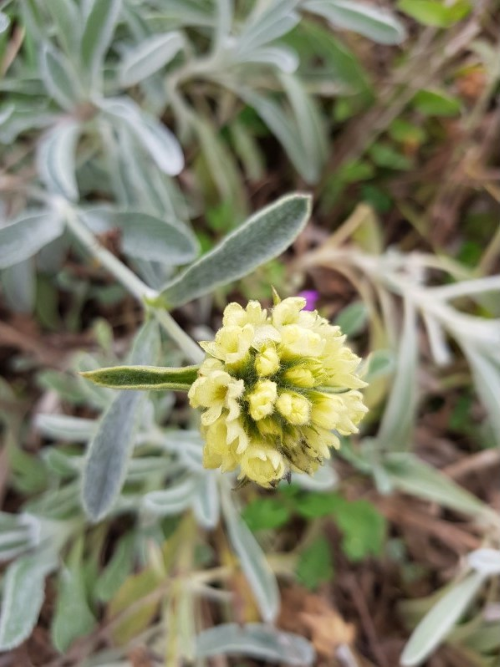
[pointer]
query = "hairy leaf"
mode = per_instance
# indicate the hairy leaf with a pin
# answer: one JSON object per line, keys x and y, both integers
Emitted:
{"x": 23, "y": 593}
{"x": 56, "y": 160}
{"x": 257, "y": 641}
{"x": 26, "y": 235}
{"x": 98, "y": 32}
{"x": 436, "y": 625}
{"x": 253, "y": 563}
{"x": 264, "y": 236}
{"x": 149, "y": 56}
{"x": 368, "y": 20}
{"x": 144, "y": 377}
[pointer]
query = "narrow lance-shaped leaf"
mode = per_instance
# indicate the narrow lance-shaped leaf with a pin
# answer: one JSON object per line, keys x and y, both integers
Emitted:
{"x": 262, "y": 237}
{"x": 23, "y": 593}
{"x": 373, "y": 22}
{"x": 151, "y": 55}
{"x": 257, "y": 641}
{"x": 110, "y": 449}
{"x": 410, "y": 475}
{"x": 144, "y": 377}
{"x": 108, "y": 455}
{"x": 253, "y": 562}
{"x": 399, "y": 415}
{"x": 59, "y": 78}
{"x": 26, "y": 235}
{"x": 155, "y": 138}
{"x": 145, "y": 236}
{"x": 436, "y": 625}
{"x": 68, "y": 22}
{"x": 56, "y": 160}
{"x": 72, "y": 618}
{"x": 98, "y": 32}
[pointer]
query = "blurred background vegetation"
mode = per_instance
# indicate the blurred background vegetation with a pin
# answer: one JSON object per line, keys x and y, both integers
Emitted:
{"x": 135, "y": 135}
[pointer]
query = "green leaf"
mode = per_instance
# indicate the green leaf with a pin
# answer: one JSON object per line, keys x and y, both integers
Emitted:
{"x": 368, "y": 20}
{"x": 146, "y": 236}
{"x": 23, "y": 594}
{"x": 436, "y": 103}
{"x": 97, "y": 33}
{"x": 68, "y": 22}
{"x": 380, "y": 363}
{"x": 59, "y": 78}
{"x": 315, "y": 565}
{"x": 363, "y": 530}
{"x": 434, "y": 13}
{"x": 264, "y": 236}
{"x": 436, "y": 625}
{"x": 116, "y": 571}
{"x": 266, "y": 514}
{"x": 148, "y": 378}
{"x": 255, "y": 640}
{"x": 72, "y": 618}
{"x": 353, "y": 318}
{"x": 149, "y": 56}
{"x": 135, "y": 605}
{"x": 363, "y": 527}
{"x": 56, "y": 160}
{"x": 385, "y": 156}
{"x": 27, "y": 235}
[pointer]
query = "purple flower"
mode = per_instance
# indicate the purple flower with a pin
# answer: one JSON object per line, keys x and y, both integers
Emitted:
{"x": 311, "y": 296}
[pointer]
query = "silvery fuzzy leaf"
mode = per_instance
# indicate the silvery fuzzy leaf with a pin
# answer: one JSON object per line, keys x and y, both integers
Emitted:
{"x": 24, "y": 236}
{"x": 60, "y": 78}
{"x": 399, "y": 415}
{"x": 282, "y": 57}
{"x": 146, "y": 236}
{"x": 4, "y": 22}
{"x": 68, "y": 23}
{"x": 154, "y": 137}
{"x": 206, "y": 504}
{"x": 101, "y": 19}
{"x": 255, "y": 640}
{"x": 151, "y": 55}
{"x": 19, "y": 285}
{"x": 435, "y": 626}
{"x": 263, "y": 236}
{"x": 23, "y": 594}
{"x": 108, "y": 455}
{"x": 252, "y": 561}
{"x": 66, "y": 427}
{"x": 56, "y": 159}
{"x": 266, "y": 26}
{"x": 172, "y": 500}
{"x": 372, "y": 22}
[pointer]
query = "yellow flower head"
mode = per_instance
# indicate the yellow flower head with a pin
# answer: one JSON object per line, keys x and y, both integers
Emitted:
{"x": 275, "y": 390}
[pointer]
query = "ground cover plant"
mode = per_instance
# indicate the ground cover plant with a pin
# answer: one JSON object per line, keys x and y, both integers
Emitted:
{"x": 164, "y": 161}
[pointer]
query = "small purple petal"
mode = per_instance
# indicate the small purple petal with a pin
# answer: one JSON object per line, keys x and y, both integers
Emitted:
{"x": 311, "y": 296}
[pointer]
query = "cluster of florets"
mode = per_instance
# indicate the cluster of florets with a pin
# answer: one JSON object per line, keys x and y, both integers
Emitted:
{"x": 276, "y": 390}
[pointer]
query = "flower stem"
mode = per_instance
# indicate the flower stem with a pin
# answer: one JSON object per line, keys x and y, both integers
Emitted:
{"x": 143, "y": 293}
